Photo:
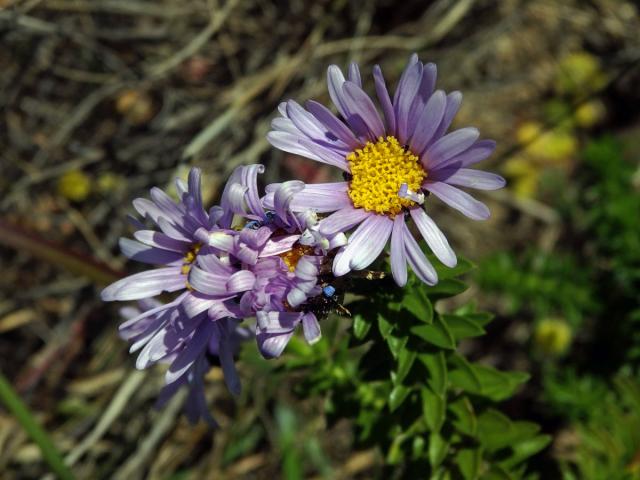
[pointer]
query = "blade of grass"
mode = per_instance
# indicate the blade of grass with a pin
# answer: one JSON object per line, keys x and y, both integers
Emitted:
{"x": 49, "y": 452}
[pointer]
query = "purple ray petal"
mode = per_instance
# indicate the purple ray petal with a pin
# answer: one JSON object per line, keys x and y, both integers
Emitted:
{"x": 365, "y": 244}
{"x": 385, "y": 101}
{"x": 417, "y": 261}
{"x": 425, "y": 90}
{"x": 343, "y": 220}
{"x": 448, "y": 146}
{"x": 459, "y": 200}
{"x": 160, "y": 240}
{"x": 335, "y": 79}
{"x": 474, "y": 154}
{"x": 194, "y": 348}
{"x": 325, "y": 155}
{"x": 360, "y": 105}
{"x": 311, "y": 328}
{"x": 398, "y": 258}
{"x": 333, "y": 124}
{"x": 434, "y": 237}
{"x": 466, "y": 177}
{"x": 405, "y": 95}
{"x": 354, "y": 74}
{"x": 454, "y": 100}
{"x": 428, "y": 122}
{"x": 145, "y": 254}
{"x": 145, "y": 284}
{"x": 290, "y": 143}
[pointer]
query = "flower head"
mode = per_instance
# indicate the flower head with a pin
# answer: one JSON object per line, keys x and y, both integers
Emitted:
{"x": 391, "y": 163}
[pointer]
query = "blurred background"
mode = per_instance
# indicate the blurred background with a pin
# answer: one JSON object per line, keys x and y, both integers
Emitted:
{"x": 101, "y": 100}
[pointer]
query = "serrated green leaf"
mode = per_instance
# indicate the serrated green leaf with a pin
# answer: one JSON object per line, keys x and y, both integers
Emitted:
{"x": 462, "y": 327}
{"x": 397, "y": 396}
{"x": 360, "y": 326}
{"x": 406, "y": 358}
{"x": 437, "y": 367}
{"x": 433, "y": 409}
{"x": 464, "y": 417}
{"x": 437, "y": 334}
{"x": 438, "y": 449}
{"x": 384, "y": 326}
{"x": 468, "y": 461}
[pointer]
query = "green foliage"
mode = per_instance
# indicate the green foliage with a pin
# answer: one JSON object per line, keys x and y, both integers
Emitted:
{"x": 608, "y": 442}
{"x": 399, "y": 377}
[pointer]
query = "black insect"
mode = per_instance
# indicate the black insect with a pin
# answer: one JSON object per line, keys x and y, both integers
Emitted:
{"x": 326, "y": 303}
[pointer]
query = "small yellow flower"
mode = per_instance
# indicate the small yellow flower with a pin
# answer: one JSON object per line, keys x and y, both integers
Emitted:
{"x": 74, "y": 185}
{"x": 590, "y": 113}
{"x": 552, "y": 336}
{"x": 579, "y": 73}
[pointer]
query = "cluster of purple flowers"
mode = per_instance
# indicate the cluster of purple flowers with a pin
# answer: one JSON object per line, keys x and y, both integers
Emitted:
{"x": 273, "y": 257}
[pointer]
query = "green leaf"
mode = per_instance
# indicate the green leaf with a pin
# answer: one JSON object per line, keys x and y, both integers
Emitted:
{"x": 437, "y": 368}
{"x": 463, "y": 266}
{"x": 463, "y": 376}
{"x": 406, "y": 358}
{"x": 497, "y": 431}
{"x": 438, "y": 449}
{"x": 360, "y": 326}
{"x": 483, "y": 380}
{"x": 396, "y": 344}
{"x": 462, "y": 326}
{"x": 417, "y": 447}
{"x": 525, "y": 449}
{"x": 496, "y": 384}
{"x": 395, "y": 454}
{"x": 397, "y": 396}
{"x": 419, "y": 305}
{"x": 446, "y": 288}
{"x": 468, "y": 461}
{"x": 433, "y": 409}
{"x": 480, "y": 318}
{"x": 437, "y": 334}
{"x": 464, "y": 419}
{"x": 384, "y": 326}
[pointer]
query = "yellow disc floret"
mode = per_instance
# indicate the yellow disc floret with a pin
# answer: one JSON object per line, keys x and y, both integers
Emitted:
{"x": 378, "y": 170}
{"x": 293, "y": 256}
{"x": 190, "y": 257}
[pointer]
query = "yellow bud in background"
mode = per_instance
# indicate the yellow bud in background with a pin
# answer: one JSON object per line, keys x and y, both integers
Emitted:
{"x": 108, "y": 182}
{"x": 552, "y": 336}
{"x": 524, "y": 177}
{"x": 579, "y": 73}
{"x": 74, "y": 185}
{"x": 590, "y": 113}
{"x": 528, "y": 132}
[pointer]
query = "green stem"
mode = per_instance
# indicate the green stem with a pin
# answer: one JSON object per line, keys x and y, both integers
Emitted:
{"x": 51, "y": 455}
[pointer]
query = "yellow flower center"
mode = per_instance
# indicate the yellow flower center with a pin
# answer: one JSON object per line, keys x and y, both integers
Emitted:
{"x": 293, "y": 256}
{"x": 188, "y": 260}
{"x": 378, "y": 170}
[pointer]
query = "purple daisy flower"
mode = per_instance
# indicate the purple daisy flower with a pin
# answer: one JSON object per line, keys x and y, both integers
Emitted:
{"x": 187, "y": 344}
{"x": 183, "y": 228}
{"x": 391, "y": 163}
